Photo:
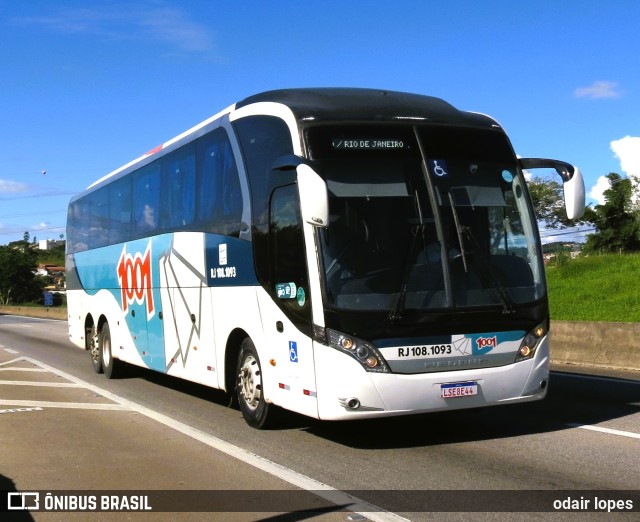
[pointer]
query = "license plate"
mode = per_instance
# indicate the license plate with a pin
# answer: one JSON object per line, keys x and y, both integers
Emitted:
{"x": 458, "y": 389}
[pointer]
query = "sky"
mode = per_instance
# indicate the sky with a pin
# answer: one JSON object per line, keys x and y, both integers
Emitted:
{"x": 86, "y": 87}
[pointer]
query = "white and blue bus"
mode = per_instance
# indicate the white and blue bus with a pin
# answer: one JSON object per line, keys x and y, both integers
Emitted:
{"x": 341, "y": 253}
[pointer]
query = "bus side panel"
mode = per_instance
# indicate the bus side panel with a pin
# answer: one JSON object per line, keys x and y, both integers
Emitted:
{"x": 187, "y": 317}
{"x": 235, "y": 308}
{"x": 75, "y": 317}
{"x": 121, "y": 283}
{"x": 286, "y": 357}
{"x": 102, "y": 303}
{"x": 291, "y": 382}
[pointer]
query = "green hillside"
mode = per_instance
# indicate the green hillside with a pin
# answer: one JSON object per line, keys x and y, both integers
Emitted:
{"x": 595, "y": 288}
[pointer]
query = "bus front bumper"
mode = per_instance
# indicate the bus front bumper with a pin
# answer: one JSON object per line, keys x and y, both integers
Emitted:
{"x": 347, "y": 391}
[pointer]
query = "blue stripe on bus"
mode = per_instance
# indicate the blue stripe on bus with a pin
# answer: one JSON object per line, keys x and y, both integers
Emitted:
{"x": 131, "y": 273}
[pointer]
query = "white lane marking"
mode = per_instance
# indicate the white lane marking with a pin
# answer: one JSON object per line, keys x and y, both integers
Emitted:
{"x": 13, "y": 361}
{"x": 69, "y": 405}
{"x": 18, "y": 369}
{"x": 16, "y": 325}
{"x": 43, "y": 384}
{"x": 20, "y": 410}
{"x": 354, "y": 504}
{"x": 609, "y": 431}
{"x": 617, "y": 380}
{"x": 28, "y": 318}
{"x": 9, "y": 350}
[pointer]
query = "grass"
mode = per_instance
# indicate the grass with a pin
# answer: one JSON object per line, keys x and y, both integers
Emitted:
{"x": 595, "y": 288}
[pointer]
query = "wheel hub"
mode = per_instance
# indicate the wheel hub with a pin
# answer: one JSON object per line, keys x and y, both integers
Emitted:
{"x": 250, "y": 382}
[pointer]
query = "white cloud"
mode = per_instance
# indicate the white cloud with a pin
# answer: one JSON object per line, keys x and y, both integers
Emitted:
{"x": 597, "y": 191}
{"x": 627, "y": 150}
{"x": 12, "y": 187}
{"x": 597, "y": 90}
{"x": 153, "y": 23}
{"x": 174, "y": 27}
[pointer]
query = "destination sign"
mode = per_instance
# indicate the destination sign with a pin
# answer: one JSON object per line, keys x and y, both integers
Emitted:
{"x": 367, "y": 144}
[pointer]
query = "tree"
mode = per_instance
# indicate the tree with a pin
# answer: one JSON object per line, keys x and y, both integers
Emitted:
{"x": 617, "y": 221}
{"x": 548, "y": 202}
{"x": 17, "y": 276}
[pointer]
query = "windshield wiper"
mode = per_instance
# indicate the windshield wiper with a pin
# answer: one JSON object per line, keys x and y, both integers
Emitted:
{"x": 459, "y": 233}
{"x": 399, "y": 306}
{"x": 490, "y": 282}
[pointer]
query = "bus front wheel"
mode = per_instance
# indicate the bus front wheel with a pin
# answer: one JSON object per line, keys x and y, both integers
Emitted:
{"x": 254, "y": 408}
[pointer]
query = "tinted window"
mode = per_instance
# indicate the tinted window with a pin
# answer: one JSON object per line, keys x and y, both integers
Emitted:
{"x": 119, "y": 210}
{"x": 195, "y": 188}
{"x": 288, "y": 263}
{"x": 263, "y": 139}
{"x": 219, "y": 194}
{"x": 146, "y": 200}
{"x": 178, "y": 190}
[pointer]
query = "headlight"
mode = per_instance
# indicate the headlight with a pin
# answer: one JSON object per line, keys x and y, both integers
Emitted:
{"x": 530, "y": 343}
{"x": 363, "y": 352}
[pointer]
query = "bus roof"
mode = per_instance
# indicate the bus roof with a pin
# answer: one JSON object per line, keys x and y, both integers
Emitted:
{"x": 330, "y": 104}
{"x": 354, "y": 104}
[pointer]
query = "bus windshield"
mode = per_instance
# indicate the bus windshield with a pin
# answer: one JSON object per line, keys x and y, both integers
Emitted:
{"x": 425, "y": 218}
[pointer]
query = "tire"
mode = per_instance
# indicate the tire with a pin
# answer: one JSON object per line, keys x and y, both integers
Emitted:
{"x": 112, "y": 367}
{"x": 255, "y": 410}
{"x": 93, "y": 346}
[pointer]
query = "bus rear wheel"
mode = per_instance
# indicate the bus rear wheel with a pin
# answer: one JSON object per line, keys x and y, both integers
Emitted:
{"x": 112, "y": 367}
{"x": 255, "y": 410}
{"x": 93, "y": 345}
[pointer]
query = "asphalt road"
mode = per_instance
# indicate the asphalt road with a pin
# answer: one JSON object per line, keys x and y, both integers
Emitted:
{"x": 148, "y": 432}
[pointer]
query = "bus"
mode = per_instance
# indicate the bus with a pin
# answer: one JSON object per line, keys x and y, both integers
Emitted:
{"x": 340, "y": 253}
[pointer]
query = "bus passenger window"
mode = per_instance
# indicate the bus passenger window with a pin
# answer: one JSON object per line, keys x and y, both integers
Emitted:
{"x": 119, "y": 210}
{"x": 178, "y": 187}
{"x": 146, "y": 200}
{"x": 219, "y": 194}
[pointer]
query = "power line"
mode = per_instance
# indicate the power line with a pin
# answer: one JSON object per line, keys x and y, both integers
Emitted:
{"x": 34, "y": 230}
{"x": 549, "y": 233}
{"x": 36, "y": 196}
{"x": 6, "y": 216}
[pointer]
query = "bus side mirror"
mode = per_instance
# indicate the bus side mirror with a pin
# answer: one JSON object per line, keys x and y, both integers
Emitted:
{"x": 573, "y": 183}
{"x": 314, "y": 198}
{"x": 574, "y": 195}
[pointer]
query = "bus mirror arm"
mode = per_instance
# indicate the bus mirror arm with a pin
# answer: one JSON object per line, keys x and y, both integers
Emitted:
{"x": 314, "y": 198}
{"x": 573, "y": 183}
{"x": 288, "y": 162}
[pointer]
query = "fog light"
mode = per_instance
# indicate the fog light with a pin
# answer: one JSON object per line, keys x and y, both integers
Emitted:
{"x": 346, "y": 343}
{"x": 530, "y": 343}
{"x": 365, "y": 353}
{"x": 362, "y": 352}
{"x": 371, "y": 362}
{"x": 525, "y": 351}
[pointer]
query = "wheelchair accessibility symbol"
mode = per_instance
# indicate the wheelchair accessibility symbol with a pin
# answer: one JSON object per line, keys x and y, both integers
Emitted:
{"x": 438, "y": 167}
{"x": 293, "y": 351}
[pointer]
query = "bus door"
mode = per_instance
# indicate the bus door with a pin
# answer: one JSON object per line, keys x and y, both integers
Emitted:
{"x": 287, "y": 326}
